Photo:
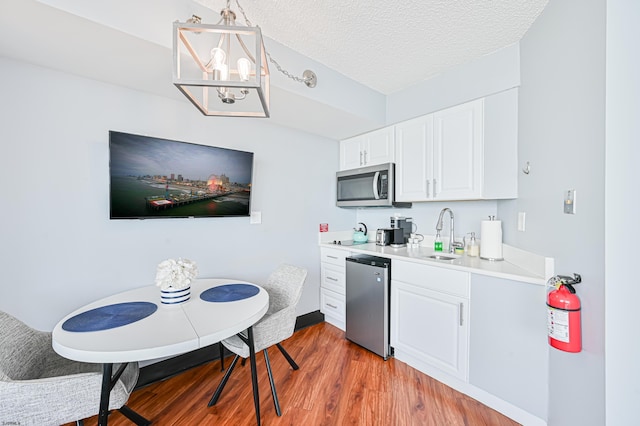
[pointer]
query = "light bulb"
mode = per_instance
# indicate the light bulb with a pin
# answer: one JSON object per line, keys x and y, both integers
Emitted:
{"x": 219, "y": 68}
{"x": 224, "y": 72}
{"x": 218, "y": 56}
{"x": 244, "y": 68}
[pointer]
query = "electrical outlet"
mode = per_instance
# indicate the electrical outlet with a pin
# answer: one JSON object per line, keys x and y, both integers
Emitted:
{"x": 521, "y": 221}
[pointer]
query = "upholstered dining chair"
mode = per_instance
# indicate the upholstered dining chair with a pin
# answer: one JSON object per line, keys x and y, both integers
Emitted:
{"x": 284, "y": 287}
{"x": 40, "y": 387}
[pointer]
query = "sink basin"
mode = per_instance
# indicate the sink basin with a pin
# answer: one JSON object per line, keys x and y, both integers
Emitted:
{"x": 443, "y": 257}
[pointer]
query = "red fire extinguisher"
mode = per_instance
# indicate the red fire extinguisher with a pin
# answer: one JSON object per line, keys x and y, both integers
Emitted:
{"x": 563, "y": 314}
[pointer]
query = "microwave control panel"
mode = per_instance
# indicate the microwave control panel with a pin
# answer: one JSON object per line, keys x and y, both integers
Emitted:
{"x": 384, "y": 185}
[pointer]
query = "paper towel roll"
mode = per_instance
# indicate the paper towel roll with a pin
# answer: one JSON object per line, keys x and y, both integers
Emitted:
{"x": 491, "y": 239}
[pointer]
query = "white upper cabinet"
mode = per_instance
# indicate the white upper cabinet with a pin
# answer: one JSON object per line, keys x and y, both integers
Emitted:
{"x": 369, "y": 149}
{"x": 457, "y": 152}
{"x": 414, "y": 159}
{"x": 466, "y": 152}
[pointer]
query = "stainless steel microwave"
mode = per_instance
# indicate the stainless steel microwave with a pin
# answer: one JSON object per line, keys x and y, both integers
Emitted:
{"x": 372, "y": 186}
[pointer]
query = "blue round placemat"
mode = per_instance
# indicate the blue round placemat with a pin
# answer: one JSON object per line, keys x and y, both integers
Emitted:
{"x": 110, "y": 316}
{"x": 229, "y": 293}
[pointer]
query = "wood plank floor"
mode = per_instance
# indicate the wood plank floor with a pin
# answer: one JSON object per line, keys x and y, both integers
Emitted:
{"x": 338, "y": 383}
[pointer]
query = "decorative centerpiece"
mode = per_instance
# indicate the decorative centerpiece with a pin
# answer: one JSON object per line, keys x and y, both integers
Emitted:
{"x": 174, "y": 279}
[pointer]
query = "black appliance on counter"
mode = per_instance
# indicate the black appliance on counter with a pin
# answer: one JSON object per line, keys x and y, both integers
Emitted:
{"x": 405, "y": 224}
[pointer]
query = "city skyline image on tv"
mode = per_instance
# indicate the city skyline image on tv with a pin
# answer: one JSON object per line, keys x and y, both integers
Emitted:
{"x": 159, "y": 178}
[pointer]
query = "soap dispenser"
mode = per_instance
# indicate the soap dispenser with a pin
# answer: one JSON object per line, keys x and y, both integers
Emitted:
{"x": 473, "y": 249}
{"x": 437, "y": 243}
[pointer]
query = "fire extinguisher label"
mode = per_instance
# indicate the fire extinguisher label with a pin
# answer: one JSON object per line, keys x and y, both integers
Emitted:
{"x": 558, "y": 323}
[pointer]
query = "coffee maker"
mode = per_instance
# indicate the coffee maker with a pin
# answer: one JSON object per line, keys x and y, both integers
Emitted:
{"x": 406, "y": 225}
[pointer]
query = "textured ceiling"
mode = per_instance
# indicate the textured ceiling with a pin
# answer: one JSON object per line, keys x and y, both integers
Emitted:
{"x": 385, "y": 45}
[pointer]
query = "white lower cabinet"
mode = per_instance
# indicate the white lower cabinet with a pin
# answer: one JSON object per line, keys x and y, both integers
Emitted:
{"x": 332, "y": 305}
{"x": 430, "y": 317}
{"x": 332, "y": 286}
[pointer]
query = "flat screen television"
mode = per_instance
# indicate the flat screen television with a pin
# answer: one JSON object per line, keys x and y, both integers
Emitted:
{"x": 159, "y": 178}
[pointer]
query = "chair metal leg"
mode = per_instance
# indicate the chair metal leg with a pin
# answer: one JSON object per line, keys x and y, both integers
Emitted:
{"x": 288, "y": 357}
{"x": 133, "y": 416}
{"x": 276, "y": 403}
{"x": 79, "y": 422}
{"x": 220, "y": 387}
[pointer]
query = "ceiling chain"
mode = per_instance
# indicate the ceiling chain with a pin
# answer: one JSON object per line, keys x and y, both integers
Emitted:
{"x": 309, "y": 77}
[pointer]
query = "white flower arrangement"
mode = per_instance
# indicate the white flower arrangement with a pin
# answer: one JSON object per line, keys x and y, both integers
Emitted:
{"x": 176, "y": 274}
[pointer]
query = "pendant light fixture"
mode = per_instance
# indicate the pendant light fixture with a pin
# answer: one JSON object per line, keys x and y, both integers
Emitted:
{"x": 222, "y": 69}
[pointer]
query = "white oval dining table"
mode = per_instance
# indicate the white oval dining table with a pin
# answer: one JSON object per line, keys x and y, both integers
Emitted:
{"x": 170, "y": 330}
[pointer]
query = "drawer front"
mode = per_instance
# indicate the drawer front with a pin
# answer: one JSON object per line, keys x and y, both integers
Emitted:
{"x": 333, "y": 277}
{"x": 332, "y": 304}
{"x": 334, "y": 256}
{"x": 432, "y": 277}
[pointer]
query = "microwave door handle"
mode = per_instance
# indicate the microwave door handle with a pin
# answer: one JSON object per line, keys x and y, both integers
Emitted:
{"x": 376, "y": 180}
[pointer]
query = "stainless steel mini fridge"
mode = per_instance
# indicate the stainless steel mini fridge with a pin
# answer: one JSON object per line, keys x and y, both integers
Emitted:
{"x": 367, "y": 298}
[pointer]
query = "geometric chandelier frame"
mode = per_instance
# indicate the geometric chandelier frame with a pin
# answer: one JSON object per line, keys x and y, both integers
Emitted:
{"x": 222, "y": 69}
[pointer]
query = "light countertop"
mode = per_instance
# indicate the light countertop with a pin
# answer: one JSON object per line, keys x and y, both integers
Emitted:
{"x": 517, "y": 265}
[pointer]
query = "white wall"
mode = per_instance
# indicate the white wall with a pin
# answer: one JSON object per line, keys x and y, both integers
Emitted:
{"x": 59, "y": 248}
{"x": 622, "y": 210}
{"x": 484, "y": 76}
{"x": 561, "y": 133}
{"x": 467, "y": 216}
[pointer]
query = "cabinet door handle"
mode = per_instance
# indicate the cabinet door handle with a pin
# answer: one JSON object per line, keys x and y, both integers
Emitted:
{"x": 361, "y": 158}
{"x": 461, "y": 307}
{"x": 332, "y": 306}
{"x": 332, "y": 279}
{"x": 365, "y": 156}
{"x": 434, "y": 188}
{"x": 428, "y": 185}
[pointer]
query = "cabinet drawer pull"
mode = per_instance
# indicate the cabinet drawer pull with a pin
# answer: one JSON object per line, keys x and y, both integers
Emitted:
{"x": 461, "y": 316}
{"x": 332, "y": 257}
{"x": 332, "y": 279}
{"x": 331, "y": 306}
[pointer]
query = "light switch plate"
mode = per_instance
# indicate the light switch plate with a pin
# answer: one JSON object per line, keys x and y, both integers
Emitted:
{"x": 570, "y": 201}
{"x": 256, "y": 218}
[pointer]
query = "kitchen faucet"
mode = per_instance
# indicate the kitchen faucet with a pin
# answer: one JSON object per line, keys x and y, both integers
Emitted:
{"x": 439, "y": 228}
